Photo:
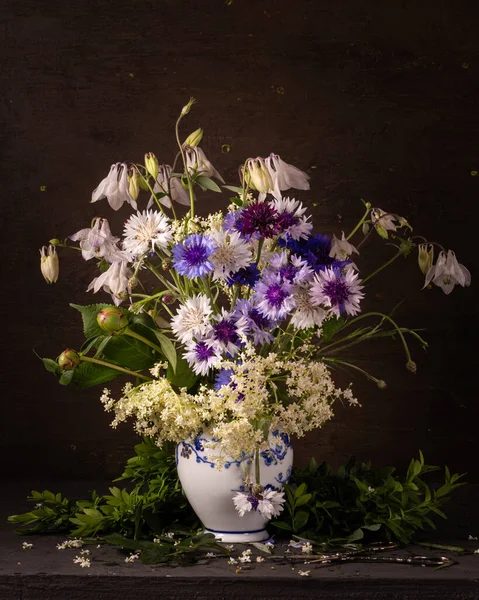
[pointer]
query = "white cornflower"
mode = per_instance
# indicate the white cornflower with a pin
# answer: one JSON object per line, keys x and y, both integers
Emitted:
{"x": 231, "y": 254}
{"x": 244, "y": 503}
{"x": 146, "y": 231}
{"x": 114, "y": 281}
{"x": 192, "y": 318}
{"x": 83, "y": 561}
{"x": 27, "y": 546}
{"x": 115, "y": 187}
{"x": 304, "y": 573}
{"x": 306, "y": 314}
{"x": 271, "y": 503}
{"x": 285, "y": 176}
{"x": 97, "y": 241}
{"x": 447, "y": 272}
{"x": 132, "y": 558}
{"x": 292, "y": 220}
{"x": 307, "y": 548}
{"x": 342, "y": 249}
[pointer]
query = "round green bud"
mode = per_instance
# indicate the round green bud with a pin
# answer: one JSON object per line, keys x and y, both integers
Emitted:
{"x": 68, "y": 359}
{"x": 54, "y": 242}
{"x": 112, "y": 319}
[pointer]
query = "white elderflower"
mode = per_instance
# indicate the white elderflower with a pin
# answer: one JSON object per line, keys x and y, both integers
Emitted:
{"x": 192, "y": 318}
{"x": 245, "y": 557}
{"x": 304, "y": 573}
{"x": 75, "y": 543}
{"x": 114, "y": 281}
{"x": 145, "y": 232}
{"x": 115, "y": 187}
{"x": 210, "y": 555}
{"x": 259, "y": 559}
{"x": 476, "y": 551}
{"x": 232, "y": 253}
{"x": 132, "y": 558}
{"x": 27, "y": 546}
{"x": 307, "y": 548}
{"x": 83, "y": 561}
{"x": 232, "y": 561}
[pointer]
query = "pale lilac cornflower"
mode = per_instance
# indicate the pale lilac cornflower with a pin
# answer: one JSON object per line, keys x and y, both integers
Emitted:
{"x": 292, "y": 222}
{"x": 291, "y": 268}
{"x": 273, "y": 296}
{"x": 202, "y": 355}
{"x": 192, "y": 318}
{"x": 447, "y": 272}
{"x": 146, "y": 232}
{"x": 191, "y": 257}
{"x": 115, "y": 187}
{"x": 271, "y": 503}
{"x": 97, "y": 241}
{"x": 245, "y": 502}
{"x": 338, "y": 291}
{"x": 306, "y": 314}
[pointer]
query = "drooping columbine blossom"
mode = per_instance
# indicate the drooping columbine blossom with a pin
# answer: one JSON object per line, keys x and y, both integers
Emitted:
{"x": 228, "y": 331}
{"x": 246, "y": 276}
{"x": 306, "y": 314}
{"x": 231, "y": 254}
{"x": 257, "y": 324}
{"x": 258, "y": 219}
{"x": 98, "y": 242}
{"x": 202, "y": 355}
{"x": 339, "y": 291}
{"x": 273, "y": 296}
{"x": 114, "y": 281}
{"x": 146, "y": 231}
{"x": 292, "y": 222}
{"x": 196, "y": 162}
{"x": 115, "y": 187}
{"x": 192, "y": 318}
{"x": 447, "y": 272}
{"x": 342, "y": 249}
{"x": 257, "y": 176}
{"x": 285, "y": 176}
{"x": 192, "y": 256}
{"x": 171, "y": 186}
{"x": 49, "y": 265}
{"x": 425, "y": 257}
{"x": 383, "y": 221}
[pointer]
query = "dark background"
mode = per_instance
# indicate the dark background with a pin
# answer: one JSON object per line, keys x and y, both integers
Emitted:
{"x": 374, "y": 100}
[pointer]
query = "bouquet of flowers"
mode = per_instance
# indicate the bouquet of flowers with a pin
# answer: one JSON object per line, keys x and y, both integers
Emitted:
{"x": 229, "y": 322}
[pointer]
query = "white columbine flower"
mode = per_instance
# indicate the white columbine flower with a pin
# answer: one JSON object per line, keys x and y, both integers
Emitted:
{"x": 49, "y": 264}
{"x": 342, "y": 249}
{"x": 97, "y": 241}
{"x": 192, "y": 318}
{"x": 291, "y": 215}
{"x": 114, "y": 281}
{"x": 196, "y": 162}
{"x": 271, "y": 503}
{"x": 115, "y": 187}
{"x": 447, "y": 272}
{"x": 383, "y": 221}
{"x": 232, "y": 253}
{"x": 171, "y": 186}
{"x": 285, "y": 176}
{"x": 146, "y": 232}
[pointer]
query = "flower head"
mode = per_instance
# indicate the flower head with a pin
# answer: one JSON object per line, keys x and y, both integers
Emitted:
{"x": 285, "y": 176}
{"x": 115, "y": 187}
{"x": 342, "y": 249}
{"x": 97, "y": 241}
{"x": 202, "y": 355}
{"x": 292, "y": 222}
{"x": 196, "y": 162}
{"x": 257, "y": 175}
{"x": 271, "y": 503}
{"x": 114, "y": 281}
{"x": 258, "y": 219}
{"x": 192, "y": 256}
{"x": 171, "y": 188}
{"x": 306, "y": 314}
{"x": 383, "y": 221}
{"x": 49, "y": 264}
{"x": 338, "y": 291}
{"x": 192, "y": 318}
{"x": 146, "y": 232}
{"x": 246, "y": 276}
{"x": 315, "y": 250}
{"x": 258, "y": 325}
{"x": 228, "y": 331}
{"x": 231, "y": 254}
{"x": 273, "y": 296}
{"x": 447, "y": 272}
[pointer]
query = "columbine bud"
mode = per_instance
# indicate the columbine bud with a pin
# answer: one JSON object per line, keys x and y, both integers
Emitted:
{"x": 112, "y": 320}
{"x": 49, "y": 264}
{"x": 151, "y": 164}
{"x": 68, "y": 359}
{"x": 411, "y": 366}
{"x": 382, "y": 385}
{"x": 194, "y": 138}
{"x": 257, "y": 175}
{"x": 425, "y": 257}
{"x": 365, "y": 228}
{"x": 134, "y": 185}
{"x": 186, "y": 109}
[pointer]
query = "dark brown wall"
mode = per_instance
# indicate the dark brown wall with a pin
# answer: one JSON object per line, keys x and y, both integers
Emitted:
{"x": 375, "y": 100}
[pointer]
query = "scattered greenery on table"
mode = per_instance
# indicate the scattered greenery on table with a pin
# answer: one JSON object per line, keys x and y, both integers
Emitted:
{"x": 356, "y": 504}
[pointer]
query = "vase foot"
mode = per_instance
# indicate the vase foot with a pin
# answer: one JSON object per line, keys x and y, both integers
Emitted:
{"x": 239, "y": 537}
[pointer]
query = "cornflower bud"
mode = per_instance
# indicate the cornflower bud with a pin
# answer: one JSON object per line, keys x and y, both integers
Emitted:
{"x": 134, "y": 184}
{"x": 151, "y": 164}
{"x": 49, "y": 264}
{"x": 166, "y": 264}
{"x": 112, "y": 320}
{"x": 194, "y": 138}
{"x": 425, "y": 257}
{"x": 68, "y": 360}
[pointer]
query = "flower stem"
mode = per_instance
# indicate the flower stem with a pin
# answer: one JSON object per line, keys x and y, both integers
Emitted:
{"x": 257, "y": 476}
{"x": 386, "y": 264}
{"x": 368, "y": 208}
{"x": 140, "y": 338}
{"x": 103, "y": 363}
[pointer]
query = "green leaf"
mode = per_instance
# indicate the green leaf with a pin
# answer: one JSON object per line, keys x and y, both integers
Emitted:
{"x": 300, "y": 520}
{"x": 233, "y": 188}
{"x": 207, "y": 183}
{"x": 358, "y": 534}
{"x": 282, "y": 525}
{"x": 89, "y": 374}
{"x": 300, "y": 490}
{"x": 67, "y": 376}
{"x": 183, "y": 376}
{"x": 302, "y": 500}
{"x": 52, "y": 366}
{"x": 89, "y": 314}
{"x": 168, "y": 349}
{"x": 330, "y": 327}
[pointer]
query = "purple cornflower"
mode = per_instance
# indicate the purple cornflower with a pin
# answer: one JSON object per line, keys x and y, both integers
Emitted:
{"x": 246, "y": 276}
{"x": 273, "y": 296}
{"x": 258, "y": 325}
{"x": 228, "y": 332}
{"x": 258, "y": 219}
{"x": 202, "y": 355}
{"x": 337, "y": 290}
{"x": 191, "y": 257}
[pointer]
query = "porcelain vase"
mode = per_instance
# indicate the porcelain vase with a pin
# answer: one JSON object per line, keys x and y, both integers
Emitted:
{"x": 210, "y": 490}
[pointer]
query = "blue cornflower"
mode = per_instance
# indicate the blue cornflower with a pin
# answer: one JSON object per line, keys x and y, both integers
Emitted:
{"x": 191, "y": 257}
{"x": 222, "y": 378}
{"x": 246, "y": 276}
{"x": 315, "y": 250}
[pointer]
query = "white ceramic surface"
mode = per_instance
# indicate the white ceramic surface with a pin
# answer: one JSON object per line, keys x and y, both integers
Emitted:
{"x": 210, "y": 491}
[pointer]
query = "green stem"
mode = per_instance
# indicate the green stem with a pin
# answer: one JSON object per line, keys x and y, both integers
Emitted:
{"x": 368, "y": 208}
{"x": 260, "y": 248}
{"x": 257, "y": 475}
{"x": 352, "y": 366}
{"x": 386, "y": 264}
{"x": 140, "y": 338}
{"x": 103, "y": 363}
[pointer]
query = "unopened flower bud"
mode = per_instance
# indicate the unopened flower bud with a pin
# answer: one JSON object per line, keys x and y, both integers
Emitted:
{"x": 54, "y": 242}
{"x": 411, "y": 366}
{"x": 151, "y": 164}
{"x": 258, "y": 176}
{"x": 168, "y": 299}
{"x": 142, "y": 182}
{"x": 194, "y": 138}
{"x": 425, "y": 257}
{"x": 132, "y": 283}
{"x": 68, "y": 360}
{"x": 49, "y": 264}
{"x": 186, "y": 109}
{"x": 382, "y": 385}
{"x": 112, "y": 319}
{"x": 134, "y": 187}
{"x": 365, "y": 228}
{"x": 166, "y": 264}
{"x": 257, "y": 489}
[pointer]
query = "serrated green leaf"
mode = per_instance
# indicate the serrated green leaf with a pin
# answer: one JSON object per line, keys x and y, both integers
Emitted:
{"x": 89, "y": 374}
{"x": 183, "y": 376}
{"x": 330, "y": 327}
